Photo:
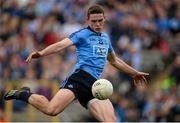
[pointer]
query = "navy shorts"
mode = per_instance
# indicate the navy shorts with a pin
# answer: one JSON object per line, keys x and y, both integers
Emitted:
{"x": 80, "y": 83}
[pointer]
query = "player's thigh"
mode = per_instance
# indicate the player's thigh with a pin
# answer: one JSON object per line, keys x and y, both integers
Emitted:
{"x": 102, "y": 109}
{"x": 62, "y": 99}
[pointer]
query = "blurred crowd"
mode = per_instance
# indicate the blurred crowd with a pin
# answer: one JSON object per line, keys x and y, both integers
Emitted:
{"x": 144, "y": 33}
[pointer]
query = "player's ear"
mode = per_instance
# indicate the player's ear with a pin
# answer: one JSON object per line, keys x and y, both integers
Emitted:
{"x": 104, "y": 18}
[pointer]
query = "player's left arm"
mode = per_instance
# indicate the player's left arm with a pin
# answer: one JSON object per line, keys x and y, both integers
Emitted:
{"x": 139, "y": 77}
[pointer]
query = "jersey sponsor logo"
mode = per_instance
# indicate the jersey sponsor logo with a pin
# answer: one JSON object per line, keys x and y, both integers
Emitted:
{"x": 99, "y": 51}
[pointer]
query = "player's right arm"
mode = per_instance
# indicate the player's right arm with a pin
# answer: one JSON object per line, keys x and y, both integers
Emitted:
{"x": 139, "y": 77}
{"x": 54, "y": 48}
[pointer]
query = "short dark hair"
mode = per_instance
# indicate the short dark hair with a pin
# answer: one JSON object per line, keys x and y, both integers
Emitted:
{"x": 95, "y": 9}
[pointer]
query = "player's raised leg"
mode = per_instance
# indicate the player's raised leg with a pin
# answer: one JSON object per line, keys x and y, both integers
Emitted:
{"x": 59, "y": 102}
{"x": 102, "y": 110}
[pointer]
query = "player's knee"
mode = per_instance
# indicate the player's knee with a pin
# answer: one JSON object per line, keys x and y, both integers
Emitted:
{"x": 51, "y": 111}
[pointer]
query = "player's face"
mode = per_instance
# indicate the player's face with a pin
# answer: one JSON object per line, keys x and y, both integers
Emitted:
{"x": 96, "y": 22}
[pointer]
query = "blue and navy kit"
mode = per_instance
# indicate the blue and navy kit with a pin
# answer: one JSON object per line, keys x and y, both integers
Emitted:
{"x": 92, "y": 49}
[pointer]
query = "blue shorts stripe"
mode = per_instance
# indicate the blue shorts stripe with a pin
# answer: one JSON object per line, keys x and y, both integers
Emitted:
{"x": 63, "y": 83}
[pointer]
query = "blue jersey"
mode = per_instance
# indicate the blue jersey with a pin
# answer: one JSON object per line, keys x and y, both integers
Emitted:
{"x": 92, "y": 49}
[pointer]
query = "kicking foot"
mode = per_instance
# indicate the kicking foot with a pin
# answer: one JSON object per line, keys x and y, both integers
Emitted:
{"x": 15, "y": 94}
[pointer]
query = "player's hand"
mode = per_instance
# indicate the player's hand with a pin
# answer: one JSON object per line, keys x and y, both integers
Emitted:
{"x": 33, "y": 55}
{"x": 140, "y": 80}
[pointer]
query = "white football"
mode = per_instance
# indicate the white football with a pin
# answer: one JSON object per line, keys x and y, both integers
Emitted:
{"x": 102, "y": 89}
